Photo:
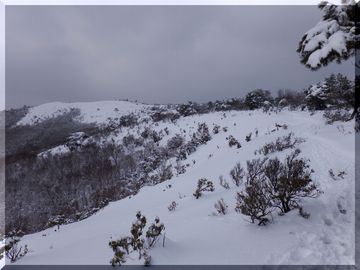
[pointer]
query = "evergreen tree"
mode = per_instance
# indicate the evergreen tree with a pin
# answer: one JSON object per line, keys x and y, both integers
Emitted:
{"x": 335, "y": 38}
{"x": 202, "y": 135}
{"x": 256, "y": 98}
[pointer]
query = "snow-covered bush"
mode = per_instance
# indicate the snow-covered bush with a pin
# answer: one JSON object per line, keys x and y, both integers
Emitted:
{"x": 56, "y": 221}
{"x": 248, "y": 137}
{"x": 154, "y": 231}
{"x": 202, "y": 135}
{"x": 216, "y": 129}
{"x": 127, "y": 244}
{"x": 332, "y": 116}
{"x": 221, "y": 207}
{"x": 202, "y": 186}
{"x": 136, "y": 242}
{"x": 338, "y": 176}
{"x": 120, "y": 249}
{"x": 165, "y": 115}
{"x": 13, "y": 250}
{"x": 180, "y": 168}
{"x": 289, "y": 98}
{"x": 129, "y": 120}
{"x": 175, "y": 142}
{"x": 233, "y": 142}
{"x": 172, "y": 206}
{"x": 237, "y": 174}
{"x": 163, "y": 172}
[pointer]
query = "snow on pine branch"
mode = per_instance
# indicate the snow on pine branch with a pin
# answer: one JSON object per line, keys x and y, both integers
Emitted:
{"x": 332, "y": 39}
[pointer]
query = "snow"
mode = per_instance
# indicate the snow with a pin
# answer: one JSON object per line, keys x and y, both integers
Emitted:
{"x": 327, "y": 237}
{"x": 99, "y": 112}
{"x": 2, "y": 261}
{"x": 336, "y": 42}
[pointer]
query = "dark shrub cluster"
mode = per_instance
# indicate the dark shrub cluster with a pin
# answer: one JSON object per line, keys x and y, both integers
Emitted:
{"x": 272, "y": 184}
{"x": 233, "y": 142}
{"x": 202, "y": 186}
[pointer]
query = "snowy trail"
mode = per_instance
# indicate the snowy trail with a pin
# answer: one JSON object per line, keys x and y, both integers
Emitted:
{"x": 201, "y": 238}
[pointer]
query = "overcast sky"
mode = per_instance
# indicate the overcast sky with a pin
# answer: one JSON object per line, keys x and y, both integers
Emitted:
{"x": 155, "y": 54}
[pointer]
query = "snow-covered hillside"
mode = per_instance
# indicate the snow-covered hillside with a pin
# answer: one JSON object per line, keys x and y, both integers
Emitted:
{"x": 99, "y": 112}
{"x": 194, "y": 235}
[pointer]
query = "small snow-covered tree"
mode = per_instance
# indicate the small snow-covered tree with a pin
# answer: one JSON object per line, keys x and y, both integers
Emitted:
{"x": 202, "y": 135}
{"x": 335, "y": 38}
{"x": 316, "y": 97}
{"x": 203, "y": 185}
{"x": 336, "y": 91}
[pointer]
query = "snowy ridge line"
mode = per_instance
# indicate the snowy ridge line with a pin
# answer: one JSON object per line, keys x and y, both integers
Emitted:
{"x": 99, "y": 112}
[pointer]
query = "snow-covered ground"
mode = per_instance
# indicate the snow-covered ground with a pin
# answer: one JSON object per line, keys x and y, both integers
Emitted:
{"x": 194, "y": 235}
{"x": 2, "y": 260}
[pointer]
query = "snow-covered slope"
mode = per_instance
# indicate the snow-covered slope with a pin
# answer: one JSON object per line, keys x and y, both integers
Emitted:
{"x": 90, "y": 112}
{"x": 193, "y": 234}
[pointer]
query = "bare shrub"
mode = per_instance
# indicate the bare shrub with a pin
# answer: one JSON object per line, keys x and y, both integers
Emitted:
{"x": 286, "y": 142}
{"x": 255, "y": 202}
{"x": 237, "y": 174}
{"x": 13, "y": 250}
{"x": 272, "y": 184}
{"x": 290, "y": 181}
{"x": 223, "y": 182}
{"x": 221, "y": 207}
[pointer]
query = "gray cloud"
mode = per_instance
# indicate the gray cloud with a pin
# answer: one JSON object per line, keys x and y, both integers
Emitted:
{"x": 154, "y": 54}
